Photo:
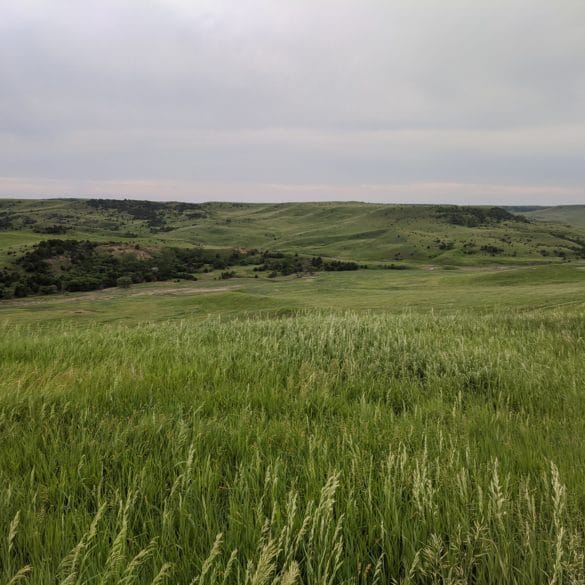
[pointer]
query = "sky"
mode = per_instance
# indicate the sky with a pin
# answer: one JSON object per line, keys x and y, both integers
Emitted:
{"x": 443, "y": 101}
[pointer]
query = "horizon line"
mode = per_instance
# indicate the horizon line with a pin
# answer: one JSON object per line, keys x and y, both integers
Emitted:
{"x": 126, "y": 197}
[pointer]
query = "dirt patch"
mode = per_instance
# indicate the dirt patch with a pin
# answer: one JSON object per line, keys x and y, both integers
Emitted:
{"x": 106, "y": 295}
{"x": 183, "y": 291}
{"x": 126, "y": 249}
{"x": 59, "y": 262}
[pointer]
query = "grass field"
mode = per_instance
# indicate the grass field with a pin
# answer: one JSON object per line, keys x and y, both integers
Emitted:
{"x": 442, "y": 235}
{"x": 566, "y": 214}
{"x": 378, "y": 290}
{"x": 416, "y": 426}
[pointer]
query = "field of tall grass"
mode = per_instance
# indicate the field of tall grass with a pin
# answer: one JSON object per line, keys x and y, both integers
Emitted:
{"x": 317, "y": 448}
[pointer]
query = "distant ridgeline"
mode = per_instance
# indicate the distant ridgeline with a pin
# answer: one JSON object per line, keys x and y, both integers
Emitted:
{"x": 63, "y": 215}
{"x": 108, "y": 214}
{"x": 54, "y": 266}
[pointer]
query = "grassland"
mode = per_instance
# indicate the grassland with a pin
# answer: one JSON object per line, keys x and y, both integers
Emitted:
{"x": 417, "y": 426}
{"x": 265, "y": 434}
{"x": 442, "y": 235}
{"x": 482, "y": 290}
{"x": 569, "y": 215}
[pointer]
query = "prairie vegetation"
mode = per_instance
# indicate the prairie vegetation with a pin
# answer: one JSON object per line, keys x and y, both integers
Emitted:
{"x": 54, "y": 266}
{"x": 359, "y": 232}
{"x": 102, "y": 241}
{"x": 316, "y": 448}
{"x": 421, "y": 425}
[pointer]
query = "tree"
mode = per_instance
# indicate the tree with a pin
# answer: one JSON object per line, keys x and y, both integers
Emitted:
{"x": 20, "y": 290}
{"x": 124, "y": 282}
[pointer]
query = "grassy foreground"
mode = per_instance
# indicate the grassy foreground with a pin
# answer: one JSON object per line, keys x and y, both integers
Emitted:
{"x": 319, "y": 448}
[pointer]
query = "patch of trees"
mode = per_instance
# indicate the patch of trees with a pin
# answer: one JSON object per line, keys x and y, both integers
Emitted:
{"x": 51, "y": 229}
{"x": 393, "y": 266}
{"x": 195, "y": 214}
{"x": 153, "y": 213}
{"x": 194, "y": 209}
{"x": 58, "y": 265}
{"x": 339, "y": 265}
{"x": 477, "y": 216}
{"x": 9, "y": 221}
{"x": 72, "y": 265}
{"x": 6, "y": 221}
{"x": 444, "y": 244}
{"x": 491, "y": 250}
{"x": 281, "y": 264}
{"x": 470, "y": 247}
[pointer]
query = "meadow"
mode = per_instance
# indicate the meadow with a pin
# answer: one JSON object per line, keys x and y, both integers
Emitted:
{"x": 437, "y": 234}
{"x": 415, "y": 426}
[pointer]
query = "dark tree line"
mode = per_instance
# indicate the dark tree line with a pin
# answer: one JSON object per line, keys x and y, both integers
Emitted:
{"x": 72, "y": 265}
{"x": 281, "y": 264}
{"x": 153, "y": 213}
{"x": 477, "y": 216}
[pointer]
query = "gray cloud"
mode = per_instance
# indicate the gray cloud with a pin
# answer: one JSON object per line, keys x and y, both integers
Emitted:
{"x": 309, "y": 98}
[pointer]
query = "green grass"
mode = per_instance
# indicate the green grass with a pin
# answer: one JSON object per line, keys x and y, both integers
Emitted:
{"x": 573, "y": 215}
{"x": 378, "y": 290}
{"x": 353, "y": 231}
{"x": 420, "y": 426}
{"x": 266, "y": 434}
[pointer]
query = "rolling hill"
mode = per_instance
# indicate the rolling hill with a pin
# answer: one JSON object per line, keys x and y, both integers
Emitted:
{"x": 432, "y": 234}
{"x": 570, "y": 215}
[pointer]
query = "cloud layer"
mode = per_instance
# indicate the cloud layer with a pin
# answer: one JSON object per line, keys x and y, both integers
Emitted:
{"x": 433, "y": 100}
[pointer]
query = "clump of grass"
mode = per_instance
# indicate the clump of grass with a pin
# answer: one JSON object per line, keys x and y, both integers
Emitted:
{"x": 318, "y": 448}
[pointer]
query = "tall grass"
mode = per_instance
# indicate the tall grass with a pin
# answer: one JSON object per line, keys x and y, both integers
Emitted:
{"x": 320, "y": 449}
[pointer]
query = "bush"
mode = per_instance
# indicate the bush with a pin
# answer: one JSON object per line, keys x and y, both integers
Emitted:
{"x": 50, "y": 289}
{"x": 20, "y": 290}
{"x": 124, "y": 282}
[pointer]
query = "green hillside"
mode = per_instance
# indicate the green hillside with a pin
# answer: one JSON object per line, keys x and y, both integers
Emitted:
{"x": 571, "y": 215}
{"x": 362, "y": 232}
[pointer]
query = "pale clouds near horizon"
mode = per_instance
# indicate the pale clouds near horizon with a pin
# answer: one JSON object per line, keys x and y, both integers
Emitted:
{"x": 466, "y": 101}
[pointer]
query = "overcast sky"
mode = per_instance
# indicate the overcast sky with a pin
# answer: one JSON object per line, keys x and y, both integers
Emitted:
{"x": 464, "y": 101}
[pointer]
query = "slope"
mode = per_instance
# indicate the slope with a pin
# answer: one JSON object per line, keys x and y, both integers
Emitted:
{"x": 356, "y": 231}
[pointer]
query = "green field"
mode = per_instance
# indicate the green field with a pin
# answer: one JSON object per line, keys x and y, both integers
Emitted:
{"x": 571, "y": 215}
{"x": 481, "y": 290}
{"x": 443, "y": 235}
{"x": 417, "y": 426}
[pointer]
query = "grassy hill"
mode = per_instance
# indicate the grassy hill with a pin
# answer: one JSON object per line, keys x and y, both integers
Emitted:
{"x": 354, "y": 231}
{"x": 569, "y": 215}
